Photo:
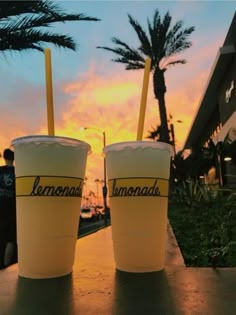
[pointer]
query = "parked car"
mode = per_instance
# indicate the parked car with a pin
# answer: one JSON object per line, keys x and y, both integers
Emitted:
{"x": 88, "y": 214}
{"x": 101, "y": 211}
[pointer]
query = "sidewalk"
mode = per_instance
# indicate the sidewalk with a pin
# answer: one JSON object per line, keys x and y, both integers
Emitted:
{"x": 95, "y": 287}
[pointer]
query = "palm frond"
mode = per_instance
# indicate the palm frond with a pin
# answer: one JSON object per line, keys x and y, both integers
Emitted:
{"x": 15, "y": 8}
{"x": 145, "y": 42}
{"x": 166, "y": 23}
{"x": 178, "y": 48}
{"x": 178, "y": 43}
{"x": 122, "y": 52}
{"x": 129, "y": 64}
{"x": 46, "y": 8}
{"x": 154, "y": 35}
{"x": 28, "y": 22}
{"x": 20, "y": 20}
{"x": 164, "y": 27}
{"x": 134, "y": 66}
{"x": 172, "y": 32}
{"x": 169, "y": 61}
{"x": 156, "y": 19}
{"x": 131, "y": 51}
{"x": 34, "y": 40}
{"x": 11, "y": 8}
{"x": 117, "y": 41}
{"x": 172, "y": 63}
{"x": 155, "y": 133}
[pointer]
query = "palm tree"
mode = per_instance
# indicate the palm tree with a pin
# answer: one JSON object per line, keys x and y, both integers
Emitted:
{"x": 91, "y": 197}
{"x": 161, "y": 44}
{"x": 172, "y": 131}
{"x": 97, "y": 181}
{"x": 155, "y": 133}
{"x": 23, "y": 25}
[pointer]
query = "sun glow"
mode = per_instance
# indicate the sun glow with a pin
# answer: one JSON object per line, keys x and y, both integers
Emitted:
{"x": 110, "y": 104}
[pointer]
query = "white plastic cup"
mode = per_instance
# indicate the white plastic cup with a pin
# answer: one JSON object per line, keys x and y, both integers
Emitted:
{"x": 138, "y": 181}
{"x": 49, "y": 180}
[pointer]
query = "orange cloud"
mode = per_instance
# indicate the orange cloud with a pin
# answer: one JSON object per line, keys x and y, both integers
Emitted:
{"x": 108, "y": 102}
{"x": 111, "y": 104}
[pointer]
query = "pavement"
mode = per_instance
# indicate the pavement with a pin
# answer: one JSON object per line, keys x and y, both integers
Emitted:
{"x": 96, "y": 287}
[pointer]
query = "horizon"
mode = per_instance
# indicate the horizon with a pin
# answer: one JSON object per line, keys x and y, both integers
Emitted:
{"x": 92, "y": 91}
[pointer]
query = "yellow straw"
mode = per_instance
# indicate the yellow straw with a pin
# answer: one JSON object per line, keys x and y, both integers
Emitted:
{"x": 143, "y": 99}
{"x": 49, "y": 91}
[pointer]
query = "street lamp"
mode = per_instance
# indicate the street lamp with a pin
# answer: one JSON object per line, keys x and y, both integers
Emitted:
{"x": 104, "y": 188}
{"x": 172, "y": 131}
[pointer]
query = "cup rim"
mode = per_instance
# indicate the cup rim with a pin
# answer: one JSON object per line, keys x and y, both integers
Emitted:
{"x": 49, "y": 139}
{"x": 138, "y": 144}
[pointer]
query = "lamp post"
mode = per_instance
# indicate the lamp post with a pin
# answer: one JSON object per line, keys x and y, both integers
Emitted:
{"x": 104, "y": 188}
{"x": 172, "y": 131}
{"x": 172, "y": 169}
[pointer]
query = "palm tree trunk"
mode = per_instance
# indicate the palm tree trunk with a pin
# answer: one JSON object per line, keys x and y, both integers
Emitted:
{"x": 159, "y": 91}
{"x": 164, "y": 126}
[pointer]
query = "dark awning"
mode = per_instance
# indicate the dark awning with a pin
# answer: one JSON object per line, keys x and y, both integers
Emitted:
{"x": 229, "y": 143}
{"x": 231, "y": 136}
{"x": 208, "y": 104}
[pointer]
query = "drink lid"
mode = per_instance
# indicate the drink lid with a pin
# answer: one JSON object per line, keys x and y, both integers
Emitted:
{"x": 138, "y": 144}
{"x": 38, "y": 139}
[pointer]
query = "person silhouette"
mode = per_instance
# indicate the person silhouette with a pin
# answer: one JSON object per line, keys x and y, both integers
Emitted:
{"x": 8, "y": 243}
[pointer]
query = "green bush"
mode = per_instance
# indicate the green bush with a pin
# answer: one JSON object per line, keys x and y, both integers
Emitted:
{"x": 190, "y": 192}
{"x": 205, "y": 227}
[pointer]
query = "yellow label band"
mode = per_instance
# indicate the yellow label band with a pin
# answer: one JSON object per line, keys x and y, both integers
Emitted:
{"x": 48, "y": 186}
{"x": 135, "y": 187}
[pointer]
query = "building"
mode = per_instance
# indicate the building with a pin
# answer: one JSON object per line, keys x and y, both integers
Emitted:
{"x": 216, "y": 115}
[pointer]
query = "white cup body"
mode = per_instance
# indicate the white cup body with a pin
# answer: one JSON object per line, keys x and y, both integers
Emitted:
{"x": 138, "y": 180}
{"x": 49, "y": 180}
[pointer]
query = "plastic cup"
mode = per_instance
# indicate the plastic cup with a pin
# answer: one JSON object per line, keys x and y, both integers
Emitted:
{"x": 49, "y": 180}
{"x": 138, "y": 182}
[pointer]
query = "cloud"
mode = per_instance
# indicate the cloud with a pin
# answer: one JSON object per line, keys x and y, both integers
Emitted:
{"x": 103, "y": 102}
{"x": 21, "y": 110}
{"x": 111, "y": 104}
{"x": 108, "y": 103}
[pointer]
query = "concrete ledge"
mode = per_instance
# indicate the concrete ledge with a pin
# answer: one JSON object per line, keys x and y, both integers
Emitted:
{"x": 173, "y": 252}
{"x": 95, "y": 287}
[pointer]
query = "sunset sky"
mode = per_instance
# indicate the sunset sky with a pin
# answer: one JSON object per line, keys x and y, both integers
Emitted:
{"x": 92, "y": 91}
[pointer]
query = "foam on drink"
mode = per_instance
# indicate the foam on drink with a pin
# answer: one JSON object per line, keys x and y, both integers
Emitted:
{"x": 49, "y": 180}
{"x": 138, "y": 173}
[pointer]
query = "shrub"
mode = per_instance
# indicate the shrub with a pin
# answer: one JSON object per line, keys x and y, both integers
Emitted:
{"x": 205, "y": 227}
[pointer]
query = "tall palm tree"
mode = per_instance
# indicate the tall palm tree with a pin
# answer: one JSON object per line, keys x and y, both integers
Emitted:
{"x": 92, "y": 197}
{"x": 162, "y": 43}
{"x": 155, "y": 133}
{"x": 97, "y": 181}
{"x": 24, "y": 24}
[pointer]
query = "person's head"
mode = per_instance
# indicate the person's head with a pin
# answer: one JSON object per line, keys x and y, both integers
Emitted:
{"x": 8, "y": 156}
